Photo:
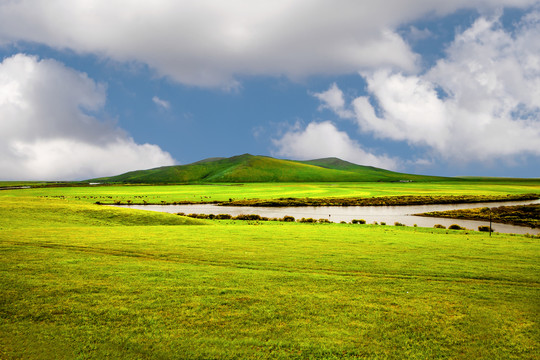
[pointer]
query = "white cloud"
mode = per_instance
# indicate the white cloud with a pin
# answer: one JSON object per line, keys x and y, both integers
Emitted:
{"x": 208, "y": 43}
{"x": 48, "y": 132}
{"x": 334, "y": 100}
{"x": 479, "y": 103}
{"x": 412, "y": 110}
{"x": 416, "y": 34}
{"x": 320, "y": 140}
{"x": 161, "y": 103}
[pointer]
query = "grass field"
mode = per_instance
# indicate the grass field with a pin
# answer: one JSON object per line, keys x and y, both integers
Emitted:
{"x": 224, "y": 192}
{"x": 80, "y": 281}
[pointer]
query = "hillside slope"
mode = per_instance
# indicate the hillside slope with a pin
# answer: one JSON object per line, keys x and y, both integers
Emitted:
{"x": 250, "y": 168}
{"x": 377, "y": 174}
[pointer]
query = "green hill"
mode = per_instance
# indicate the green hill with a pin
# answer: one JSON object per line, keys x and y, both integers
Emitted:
{"x": 368, "y": 172}
{"x": 250, "y": 168}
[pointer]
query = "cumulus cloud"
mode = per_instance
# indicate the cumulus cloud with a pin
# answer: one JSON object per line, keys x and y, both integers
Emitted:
{"x": 49, "y": 129}
{"x": 481, "y": 102}
{"x": 412, "y": 111}
{"x": 208, "y": 43}
{"x": 334, "y": 100}
{"x": 320, "y": 140}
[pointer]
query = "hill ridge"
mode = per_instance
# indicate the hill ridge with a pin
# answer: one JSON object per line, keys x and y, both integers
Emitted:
{"x": 248, "y": 168}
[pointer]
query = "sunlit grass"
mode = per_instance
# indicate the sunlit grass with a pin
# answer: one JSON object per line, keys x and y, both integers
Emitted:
{"x": 25, "y": 212}
{"x": 82, "y": 281}
{"x": 224, "y": 192}
{"x": 234, "y": 290}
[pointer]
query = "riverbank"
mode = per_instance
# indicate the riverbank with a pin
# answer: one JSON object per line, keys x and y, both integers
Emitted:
{"x": 348, "y": 201}
{"x": 520, "y": 215}
{"x": 383, "y": 200}
{"x": 383, "y": 215}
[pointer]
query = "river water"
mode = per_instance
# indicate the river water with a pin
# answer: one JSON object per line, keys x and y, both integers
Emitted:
{"x": 387, "y": 214}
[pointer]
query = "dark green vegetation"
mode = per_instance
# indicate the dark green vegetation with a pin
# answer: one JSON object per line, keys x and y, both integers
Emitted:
{"x": 381, "y": 200}
{"x": 8, "y": 185}
{"x": 249, "y": 168}
{"x": 82, "y": 281}
{"x": 257, "y": 218}
{"x": 524, "y": 215}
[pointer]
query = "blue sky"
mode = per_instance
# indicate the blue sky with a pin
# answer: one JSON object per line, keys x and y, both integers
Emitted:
{"x": 428, "y": 87}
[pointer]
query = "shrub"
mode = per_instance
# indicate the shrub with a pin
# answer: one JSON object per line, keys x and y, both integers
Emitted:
{"x": 248, "y": 217}
{"x": 455, "y": 227}
{"x": 223, "y": 216}
{"x": 308, "y": 220}
{"x": 324, "y": 221}
{"x": 398, "y": 224}
{"x": 361, "y": 221}
{"x": 288, "y": 218}
{"x": 383, "y": 223}
{"x": 439, "y": 226}
{"x": 485, "y": 228}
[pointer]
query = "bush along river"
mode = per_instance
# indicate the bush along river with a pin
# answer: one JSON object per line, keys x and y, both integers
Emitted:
{"x": 390, "y": 215}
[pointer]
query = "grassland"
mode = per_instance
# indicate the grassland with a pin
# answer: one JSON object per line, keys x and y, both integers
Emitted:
{"x": 82, "y": 281}
{"x": 224, "y": 192}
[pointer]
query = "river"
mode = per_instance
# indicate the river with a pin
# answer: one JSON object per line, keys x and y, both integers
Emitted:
{"x": 388, "y": 214}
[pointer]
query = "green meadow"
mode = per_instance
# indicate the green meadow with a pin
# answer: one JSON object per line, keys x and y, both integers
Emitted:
{"x": 83, "y": 281}
{"x": 224, "y": 192}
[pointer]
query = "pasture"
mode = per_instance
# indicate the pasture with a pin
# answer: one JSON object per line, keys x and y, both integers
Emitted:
{"x": 78, "y": 280}
{"x": 224, "y": 192}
